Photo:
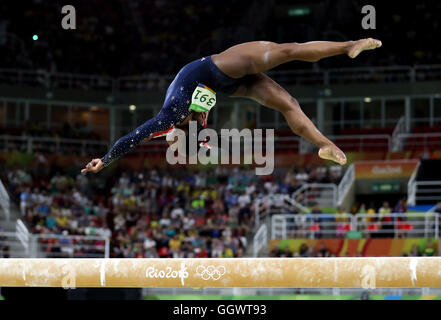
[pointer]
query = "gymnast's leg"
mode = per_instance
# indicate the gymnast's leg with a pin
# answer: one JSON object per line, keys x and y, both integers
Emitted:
{"x": 260, "y": 56}
{"x": 267, "y": 92}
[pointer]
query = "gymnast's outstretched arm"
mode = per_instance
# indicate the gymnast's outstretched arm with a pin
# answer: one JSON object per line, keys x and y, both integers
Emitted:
{"x": 129, "y": 142}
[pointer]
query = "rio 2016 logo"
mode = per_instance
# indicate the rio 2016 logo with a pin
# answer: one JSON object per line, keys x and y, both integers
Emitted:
{"x": 206, "y": 273}
{"x": 168, "y": 273}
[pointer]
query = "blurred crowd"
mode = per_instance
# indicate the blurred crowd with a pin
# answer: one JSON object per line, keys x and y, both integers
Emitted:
{"x": 121, "y": 38}
{"x": 179, "y": 213}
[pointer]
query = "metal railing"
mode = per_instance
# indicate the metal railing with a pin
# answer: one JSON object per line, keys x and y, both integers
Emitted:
{"x": 5, "y": 202}
{"x": 275, "y": 204}
{"x": 310, "y": 225}
{"x": 366, "y": 142}
{"x": 54, "y": 246}
{"x": 360, "y": 142}
{"x": 53, "y": 145}
{"x": 147, "y": 83}
{"x": 411, "y": 186}
{"x": 379, "y": 74}
{"x": 358, "y": 75}
{"x": 57, "y": 80}
{"x": 400, "y": 128}
{"x": 23, "y": 235}
{"x": 322, "y": 194}
{"x": 429, "y": 140}
{"x": 345, "y": 184}
{"x": 322, "y": 225}
{"x": 260, "y": 240}
{"x": 412, "y": 225}
{"x": 426, "y": 191}
{"x": 59, "y": 246}
{"x": 10, "y": 246}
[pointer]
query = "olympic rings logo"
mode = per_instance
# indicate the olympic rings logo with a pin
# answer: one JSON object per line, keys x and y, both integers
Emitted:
{"x": 210, "y": 272}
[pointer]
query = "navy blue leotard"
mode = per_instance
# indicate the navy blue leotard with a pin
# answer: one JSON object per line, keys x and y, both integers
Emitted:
{"x": 176, "y": 105}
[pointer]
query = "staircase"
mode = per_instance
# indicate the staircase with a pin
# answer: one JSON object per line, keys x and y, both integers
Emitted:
{"x": 11, "y": 246}
{"x": 258, "y": 242}
{"x": 265, "y": 208}
{"x": 322, "y": 194}
{"x": 10, "y": 238}
{"x": 425, "y": 189}
{"x": 10, "y": 243}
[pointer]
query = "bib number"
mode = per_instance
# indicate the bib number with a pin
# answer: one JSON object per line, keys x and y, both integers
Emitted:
{"x": 203, "y": 99}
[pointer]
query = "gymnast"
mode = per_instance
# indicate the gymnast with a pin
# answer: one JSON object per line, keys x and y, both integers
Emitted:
{"x": 238, "y": 72}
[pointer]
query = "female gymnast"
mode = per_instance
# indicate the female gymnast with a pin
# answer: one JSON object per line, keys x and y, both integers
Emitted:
{"x": 239, "y": 72}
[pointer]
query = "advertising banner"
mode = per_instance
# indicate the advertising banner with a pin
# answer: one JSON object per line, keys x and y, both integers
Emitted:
{"x": 385, "y": 169}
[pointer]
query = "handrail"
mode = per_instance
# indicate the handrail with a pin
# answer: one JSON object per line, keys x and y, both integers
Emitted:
{"x": 30, "y": 144}
{"x": 345, "y": 184}
{"x": 399, "y": 128}
{"x": 324, "y": 77}
{"x": 420, "y": 135}
{"x": 428, "y": 194}
{"x": 5, "y": 202}
{"x": 411, "y": 186}
{"x": 322, "y": 186}
{"x": 31, "y": 243}
{"x": 337, "y": 225}
{"x": 362, "y": 137}
{"x": 402, "y": 137}
{"x": 262, "y": 208}
{"x": 23, "y": 235}
{"x": 51, "y": 139}
{"x": 260, "y": 240}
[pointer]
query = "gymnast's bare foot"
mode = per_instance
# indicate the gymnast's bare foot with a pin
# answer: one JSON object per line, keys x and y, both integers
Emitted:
{"x": 332, "y": 152}
{"x": 364, "y": 44}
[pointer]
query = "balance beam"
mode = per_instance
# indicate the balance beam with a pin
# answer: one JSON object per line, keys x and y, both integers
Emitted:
{"x": 402, "y": 272}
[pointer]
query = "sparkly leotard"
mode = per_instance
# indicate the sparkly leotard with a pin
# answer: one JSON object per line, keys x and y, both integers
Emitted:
{"x": 176, "y": 105}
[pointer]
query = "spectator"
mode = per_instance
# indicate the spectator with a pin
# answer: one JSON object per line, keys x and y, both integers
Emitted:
{"x": 311, "y": 251}
{"x": 430, "y": 249}
{"x": 385, "y": 209}
{"x": 244, "y": 203}
{"x": 324, "y": 252}
{"x": 302, "y": 176}
{"x": 303, "y": 250}
{"x": 401, "y": 206}
{"x": 386, "y": 219}
{"x": 25, "y": 200}
{"x": 362, "y": 209}
{"x": 414, "y": 252}
{"x": 316, "y": 214}
{"x": 287, "y": 253}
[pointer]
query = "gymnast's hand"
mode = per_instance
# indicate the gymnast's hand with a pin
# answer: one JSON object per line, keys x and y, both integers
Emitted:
{"x": 332, "y": 152}
{"x": 93, "y": 166}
